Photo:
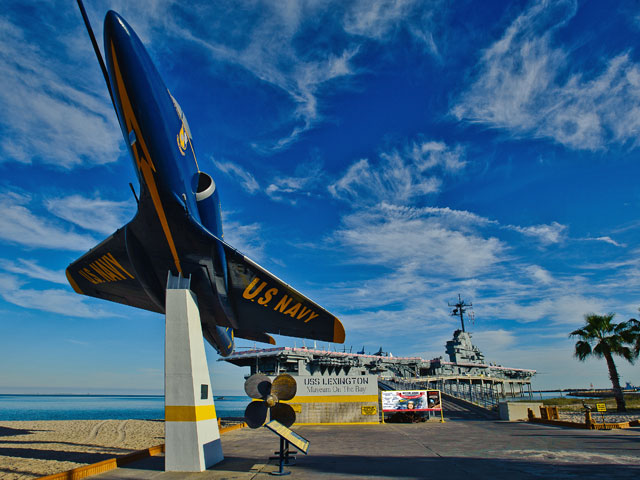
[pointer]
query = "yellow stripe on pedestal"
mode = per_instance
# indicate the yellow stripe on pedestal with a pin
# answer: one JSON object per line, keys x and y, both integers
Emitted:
{"x": 189, "y": 413}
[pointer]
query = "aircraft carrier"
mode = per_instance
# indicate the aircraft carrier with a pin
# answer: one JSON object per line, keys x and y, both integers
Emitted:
{"x": 342, "y": 387}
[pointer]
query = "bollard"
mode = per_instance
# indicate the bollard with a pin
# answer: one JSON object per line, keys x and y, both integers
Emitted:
{"x": 588, "y": 420}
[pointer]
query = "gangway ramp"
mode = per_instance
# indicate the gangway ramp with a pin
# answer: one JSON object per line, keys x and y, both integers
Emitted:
{"x": 458, "y": 409}
{"x": 454, "y": 407}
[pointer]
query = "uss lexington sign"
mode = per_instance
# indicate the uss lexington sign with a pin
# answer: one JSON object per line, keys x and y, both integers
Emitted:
{"x": 337, "y": 385}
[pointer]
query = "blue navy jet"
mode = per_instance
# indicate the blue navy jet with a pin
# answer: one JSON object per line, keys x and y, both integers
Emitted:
{"x": 178, "y": 225}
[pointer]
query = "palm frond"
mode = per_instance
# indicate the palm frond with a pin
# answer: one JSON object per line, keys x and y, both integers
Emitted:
{"x": 583, "y": 350}
{"x": 581, "y": 332}
{"x": 627, "y": 354}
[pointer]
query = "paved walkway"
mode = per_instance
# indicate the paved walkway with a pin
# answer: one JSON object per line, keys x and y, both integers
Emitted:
{"x": 457, "y": 449}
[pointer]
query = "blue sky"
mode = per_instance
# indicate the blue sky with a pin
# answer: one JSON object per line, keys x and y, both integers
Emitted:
{"x": 381, "y": 158}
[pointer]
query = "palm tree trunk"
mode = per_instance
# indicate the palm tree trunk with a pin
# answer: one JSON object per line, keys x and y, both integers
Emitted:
{"x": 615, "y": 381}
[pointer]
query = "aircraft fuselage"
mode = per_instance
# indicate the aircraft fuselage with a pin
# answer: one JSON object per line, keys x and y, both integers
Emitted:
{"x": 159, "y": 140}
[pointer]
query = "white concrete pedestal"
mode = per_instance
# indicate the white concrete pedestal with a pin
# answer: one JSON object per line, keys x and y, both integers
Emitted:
{"x": 192, "y": 438}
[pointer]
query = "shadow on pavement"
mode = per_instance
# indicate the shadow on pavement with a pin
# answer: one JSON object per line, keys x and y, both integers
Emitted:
{"x": 453, "y": 468}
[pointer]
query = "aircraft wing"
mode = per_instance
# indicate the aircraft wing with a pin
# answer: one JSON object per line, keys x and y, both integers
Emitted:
{"x": 264, "y": 303}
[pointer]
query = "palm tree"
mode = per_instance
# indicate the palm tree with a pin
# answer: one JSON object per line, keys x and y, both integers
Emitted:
{"x": 601, "y": 337}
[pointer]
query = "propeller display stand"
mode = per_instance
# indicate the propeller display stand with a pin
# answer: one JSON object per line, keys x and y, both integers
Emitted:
{"x": 192, "y": 438}
{"x": 286, "y": 437}
{"x": 283, "y": 457}
{"x": 267, "y": 396}
{"x": 287, "y": 455}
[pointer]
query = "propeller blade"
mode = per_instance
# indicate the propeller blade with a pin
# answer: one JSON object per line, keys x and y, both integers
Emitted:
{"x": 257, "y": 386}
{"x": 283, "y": 413}
{"x": 284, "y": 387}
{"x": 256, "y": 413}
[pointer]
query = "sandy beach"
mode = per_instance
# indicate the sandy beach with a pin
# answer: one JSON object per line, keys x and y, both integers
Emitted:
{"x": 31, "y": 449}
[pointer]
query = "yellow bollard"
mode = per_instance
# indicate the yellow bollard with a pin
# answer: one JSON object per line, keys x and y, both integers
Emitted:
{"x": 588, "y": 420}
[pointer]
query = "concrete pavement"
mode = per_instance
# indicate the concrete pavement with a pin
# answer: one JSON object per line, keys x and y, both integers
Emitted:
{"x": 458, "y": 449}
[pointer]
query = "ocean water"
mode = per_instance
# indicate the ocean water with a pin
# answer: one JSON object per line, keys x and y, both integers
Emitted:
{"x": 101, "y": 407}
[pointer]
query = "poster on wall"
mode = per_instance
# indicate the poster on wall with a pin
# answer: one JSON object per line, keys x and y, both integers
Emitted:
{"x": 411, "y": 400}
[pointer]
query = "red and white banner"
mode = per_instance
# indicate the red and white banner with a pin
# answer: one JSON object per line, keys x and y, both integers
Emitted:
{"x": 411, "y": 401}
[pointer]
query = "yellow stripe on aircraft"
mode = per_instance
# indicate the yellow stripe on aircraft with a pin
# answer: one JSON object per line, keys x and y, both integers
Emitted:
{"x": 338, "y": 331}
{"x": 145, "y": 165}
{"x": 73, "y": 283}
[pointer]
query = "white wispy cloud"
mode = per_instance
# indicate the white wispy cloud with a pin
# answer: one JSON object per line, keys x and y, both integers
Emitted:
{"x": 63, "y": 302}
{"x": 305, "y": 181}
{"x": 459, "y": 218}
{"x": 526, "y": 83}
{"x": 557, "y": 308}
{"x": 396, "y": 237}
{"x": 21, "y": 226}
{"x": 430, "y": 154}
{"x": 381, "y": 20}
{"x": 30, "y": 268}
{"x": 267, "y": 47}
{"x": 605, "y": 239}
{"x": 400, "y": 175}
{"x": 546, "y": 234}
{"x": 265, "y": 39}
{"x": 235, "y": 171}
{"x": 248, "y": 238}
{"x": 540, "y": 274}
{"x": 96, "y": 214}
{"x": 50, "y": 114}
{"x": 498, "y": 339}
{"x": 307, "y": 177}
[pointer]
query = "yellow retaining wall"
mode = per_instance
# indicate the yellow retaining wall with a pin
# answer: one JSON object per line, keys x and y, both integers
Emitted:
{"x": 588, "y": 424}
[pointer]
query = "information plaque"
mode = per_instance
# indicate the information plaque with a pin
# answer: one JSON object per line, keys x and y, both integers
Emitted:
{"x": 290, "y": 436}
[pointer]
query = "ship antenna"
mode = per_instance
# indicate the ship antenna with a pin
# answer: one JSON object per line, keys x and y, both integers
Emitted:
{"x": 460, "y": 310}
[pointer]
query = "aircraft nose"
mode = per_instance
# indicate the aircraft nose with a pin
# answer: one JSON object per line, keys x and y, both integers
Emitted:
{"x": 115, "y": 28}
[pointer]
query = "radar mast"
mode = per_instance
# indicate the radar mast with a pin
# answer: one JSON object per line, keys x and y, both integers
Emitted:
{"x": 460, "y": 309}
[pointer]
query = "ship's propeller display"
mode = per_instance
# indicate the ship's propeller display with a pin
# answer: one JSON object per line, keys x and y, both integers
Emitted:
{"x": 267, "y": 396}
